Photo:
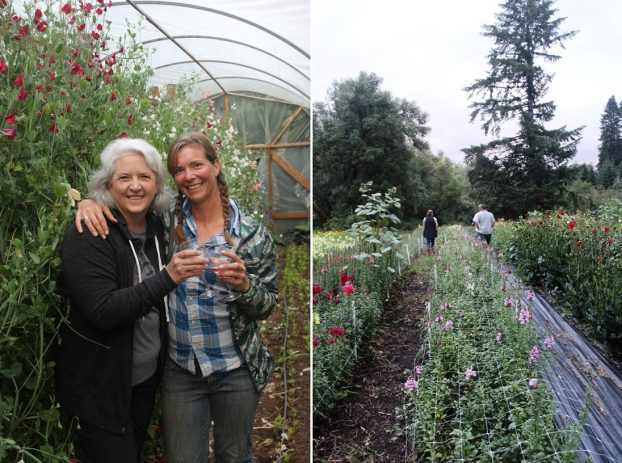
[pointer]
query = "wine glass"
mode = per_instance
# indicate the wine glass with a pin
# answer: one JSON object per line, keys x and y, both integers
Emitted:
{"x": 233, "y": 247}
{"x": 195, "y": 244}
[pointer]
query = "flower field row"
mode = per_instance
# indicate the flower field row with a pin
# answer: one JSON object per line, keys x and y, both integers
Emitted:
{"x": 476, "y": 390}
{"x": 578, "y": 258}
{"x": 349, "y": 289}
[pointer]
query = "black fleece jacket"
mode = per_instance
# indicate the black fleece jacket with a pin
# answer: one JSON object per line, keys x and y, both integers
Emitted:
{"x": 94, "y": 353}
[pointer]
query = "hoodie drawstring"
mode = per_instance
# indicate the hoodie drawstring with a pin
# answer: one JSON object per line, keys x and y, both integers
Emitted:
{"x": 160, "y": 266}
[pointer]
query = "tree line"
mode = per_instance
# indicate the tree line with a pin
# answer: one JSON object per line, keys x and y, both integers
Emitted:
{"x": 363, "y": 133}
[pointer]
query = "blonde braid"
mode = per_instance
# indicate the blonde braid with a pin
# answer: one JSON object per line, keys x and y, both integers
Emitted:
{"x": 226, "y": 206}
{"x": 180, "y": 236}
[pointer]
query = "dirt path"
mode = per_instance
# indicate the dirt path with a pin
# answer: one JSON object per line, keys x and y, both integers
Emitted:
{"x": 274, "y": 417}
{"x": 366, "y": 427}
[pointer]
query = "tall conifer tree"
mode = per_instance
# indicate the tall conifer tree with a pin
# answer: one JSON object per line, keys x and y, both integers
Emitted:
{"x": 610, "y": 148}
{"x": 530, "y": 168}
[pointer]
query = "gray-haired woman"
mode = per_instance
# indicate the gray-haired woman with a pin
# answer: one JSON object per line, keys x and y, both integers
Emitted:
{"x": 108, "y": 353}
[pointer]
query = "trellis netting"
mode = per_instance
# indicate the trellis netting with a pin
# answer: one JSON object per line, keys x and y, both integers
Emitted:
{"x": 486, "y": 334}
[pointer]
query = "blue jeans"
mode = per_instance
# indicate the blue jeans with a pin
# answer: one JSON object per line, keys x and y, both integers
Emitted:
{"x": 189, "y": 405}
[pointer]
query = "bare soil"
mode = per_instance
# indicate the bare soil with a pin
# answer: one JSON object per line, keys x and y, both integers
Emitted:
{"x": 365, "y": 427}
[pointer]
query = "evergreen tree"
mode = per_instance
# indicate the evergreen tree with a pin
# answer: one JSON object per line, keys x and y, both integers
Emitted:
{"x": 610, "y": 148}
{"x": 362, "y": 133}
{"x": 529, "y": 170}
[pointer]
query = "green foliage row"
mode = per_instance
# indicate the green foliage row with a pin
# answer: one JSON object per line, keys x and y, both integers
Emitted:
{"x": 578, "y": 258}
{"x": 357, "y": 314}
{"x": 479, "y": 394}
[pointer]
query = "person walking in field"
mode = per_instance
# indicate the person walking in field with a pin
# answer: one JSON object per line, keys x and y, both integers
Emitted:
{"x": 430, "y": 231}
{"x": 484, "y": 222}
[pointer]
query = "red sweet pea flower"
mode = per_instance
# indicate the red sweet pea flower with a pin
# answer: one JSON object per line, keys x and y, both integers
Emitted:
{"x": 53, "y": 128}
{"x": 38, "y": 14}
{"x": 52, "y": 76}
{"x": 123, "y": 135}
{"x": 9, "y": 133}
{"x": 88, "y": 7}
{"x": 21, "y": 96}
{"x": 128, "y": 101}
{"x": 76, "y": 69}
{"x": 606, "y": 229}
{"x": 130, "y": 120}
{"x": 316, "y": 341}
{"x": 19, "y": 80}
{"x": 72, "y": 20}
{"x": 81, "y": 27}
{"x": 570, "y": 225}
{"x": 578, "y": 244}
{"x": 99, "y": 11}
{"x": 95, "y": 35}
{"x": 11, "y": 119}
{"x": 67, "y": 108}
{"x": 66, "y": 8}
{"x": 113, "y": 96}
{"x": 42, "y": 26}
{"x": 3, "y": 66}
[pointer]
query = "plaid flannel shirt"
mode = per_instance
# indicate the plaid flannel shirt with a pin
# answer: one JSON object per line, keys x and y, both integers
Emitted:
{"x": 258, "y": 250}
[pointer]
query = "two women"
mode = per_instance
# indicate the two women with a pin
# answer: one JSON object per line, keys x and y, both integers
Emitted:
{"x": 108, "y": 352}
{"x": 215, "y": 365}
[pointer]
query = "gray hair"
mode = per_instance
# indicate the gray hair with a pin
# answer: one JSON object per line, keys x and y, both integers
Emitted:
{"x": 101, "y": 177}
{"x": 483, "y": 206}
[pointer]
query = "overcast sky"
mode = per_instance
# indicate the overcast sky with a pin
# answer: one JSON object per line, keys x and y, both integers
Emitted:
{"x": 428, "y": 51}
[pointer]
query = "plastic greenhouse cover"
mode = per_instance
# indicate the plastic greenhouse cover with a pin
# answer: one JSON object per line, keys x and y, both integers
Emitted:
{"x": 578, "y": 368}
{"x": 231, "y": 45}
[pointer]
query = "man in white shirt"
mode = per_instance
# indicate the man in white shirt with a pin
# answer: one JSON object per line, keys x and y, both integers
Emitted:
{"x": 484, "y": 221}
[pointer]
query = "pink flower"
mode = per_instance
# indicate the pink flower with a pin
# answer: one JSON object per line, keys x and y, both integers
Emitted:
{"x": 446, "y": 305}
{"x": 10, "y": 118}
{"x": 524, "y": 316}
{"x": 533, "y": 383}
{"x": 530, "y": 295}
{"x": 411, "y": 384}
{"x": 549, "y": 341}
{"x": 348, "y": 289}
{"x": 534, "y": 355}
{"x": 470, "y": 373}
{"x": 498, "y": 337}
{"x": 418, "y": 370}
{"x": 331, "y": 340}
{"x": 66, "y": 8}
{"x": 508, "y": 301}
{"x": 439, "y": 318}
{"x": 449, "y": 325}
{"x": 3, "y": 66}
{"x": 256, "y": 187}
{"x": 9, "y": 133}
